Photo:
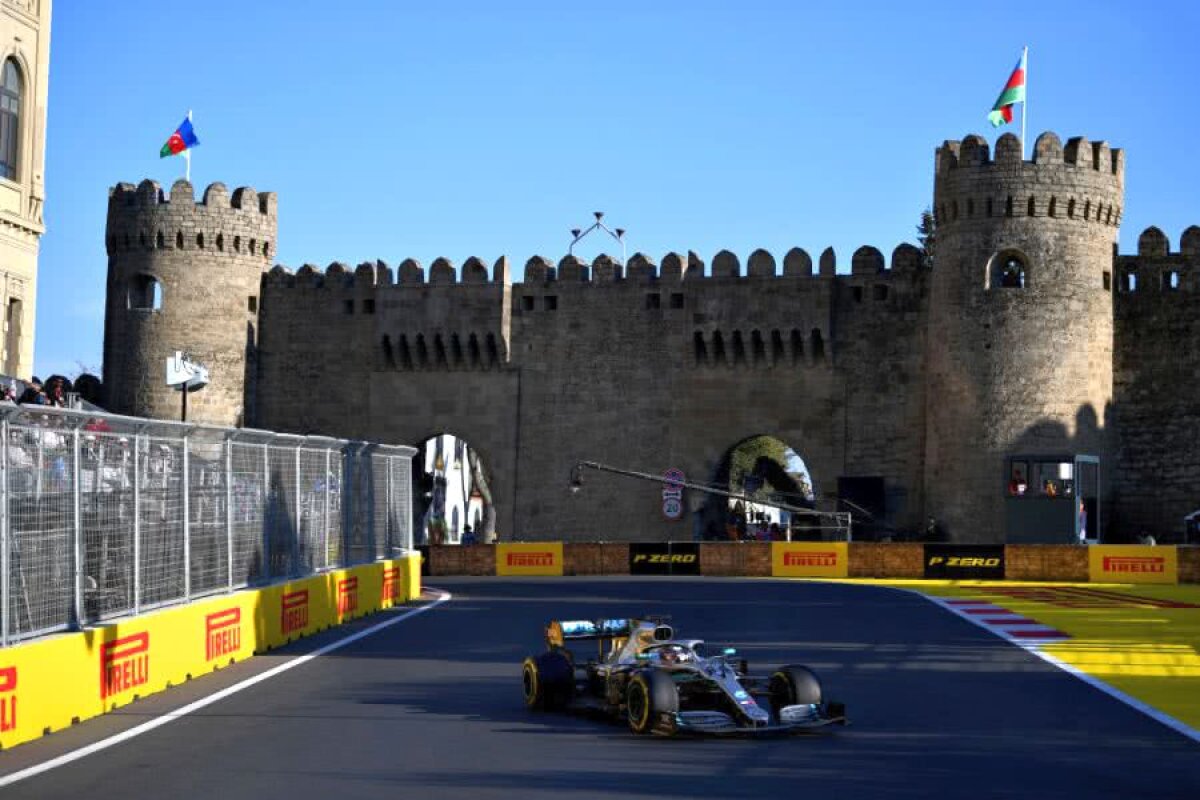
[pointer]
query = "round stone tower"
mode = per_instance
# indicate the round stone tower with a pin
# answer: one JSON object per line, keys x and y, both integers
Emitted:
{"x": 1020, "y": 336}
{"x": 184, "y": 276}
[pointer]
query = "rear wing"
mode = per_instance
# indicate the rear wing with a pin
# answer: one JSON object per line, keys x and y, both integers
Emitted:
{"x": 559, "y": 632}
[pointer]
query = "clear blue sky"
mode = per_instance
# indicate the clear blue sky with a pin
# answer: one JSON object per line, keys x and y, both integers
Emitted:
{"x": 404, "y": 129}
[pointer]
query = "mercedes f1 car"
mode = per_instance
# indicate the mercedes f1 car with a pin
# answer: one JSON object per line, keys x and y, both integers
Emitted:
{"x": 664, "y": 685}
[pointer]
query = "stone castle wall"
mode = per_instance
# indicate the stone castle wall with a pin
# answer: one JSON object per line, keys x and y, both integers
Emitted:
{"x": 925, "y": 378}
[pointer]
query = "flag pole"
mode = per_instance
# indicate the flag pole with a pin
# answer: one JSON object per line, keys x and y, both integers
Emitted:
{"x": 1025, "y": 103}
{"x": 187, "y": 154}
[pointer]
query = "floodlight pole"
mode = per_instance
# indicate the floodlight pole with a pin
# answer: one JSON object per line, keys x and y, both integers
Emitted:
{"x": 577, "y": 234}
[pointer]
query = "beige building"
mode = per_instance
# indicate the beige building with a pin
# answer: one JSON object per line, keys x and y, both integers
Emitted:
{"x": 24, "y": 73}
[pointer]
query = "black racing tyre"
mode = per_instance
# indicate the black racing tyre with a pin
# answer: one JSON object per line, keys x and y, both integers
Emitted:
{"x": 649, "y": 695}
{"x": 793, "y": 685}
{"x": 548, "y": 680}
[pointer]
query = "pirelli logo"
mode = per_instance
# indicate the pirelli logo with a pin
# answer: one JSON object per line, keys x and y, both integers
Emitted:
{"x": 8, "y": 698}
{"x": 347, "y": 595}
{"x": 222, "y": 633}
{"x": 531, "y": 559}
{"x": 1135, "y": 564}
{"x": 124, "y": 664}
{"x": 391, "y": 585}
{"x": 810, "y": 558}
{"x": 294, "y": 611}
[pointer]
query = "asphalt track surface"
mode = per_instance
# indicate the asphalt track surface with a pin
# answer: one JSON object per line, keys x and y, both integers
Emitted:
{"x": 431, "y": 707}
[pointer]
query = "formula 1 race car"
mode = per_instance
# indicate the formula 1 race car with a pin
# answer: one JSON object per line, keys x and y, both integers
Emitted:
{"x": 665, "y": 685}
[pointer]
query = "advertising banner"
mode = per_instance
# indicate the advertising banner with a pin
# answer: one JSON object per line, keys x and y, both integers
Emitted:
{"x": 529, "y": 558}
{"x": 664, "y": 558}
{"x": 810, "y": 560}
{"x": 959, "y": 561}
{"x": 1132, "y": 563}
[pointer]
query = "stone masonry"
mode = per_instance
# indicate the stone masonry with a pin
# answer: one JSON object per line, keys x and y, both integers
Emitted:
{"x": 925, "y": 378}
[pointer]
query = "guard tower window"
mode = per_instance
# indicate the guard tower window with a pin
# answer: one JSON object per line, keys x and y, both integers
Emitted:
{"x": 551, "y": 302}
{"x": 1129, "y": 281}
{"x": 145, "y": 294}
{"x": 252, "y": 304}
{"x": 527, "y": 302}
{"x": 1107, "y": 281}
{"x": 10, "y": 119}
{"x": 677, "y": 300}
{"x": 1009, "y": 271}
{"x": 1170, "y": 281}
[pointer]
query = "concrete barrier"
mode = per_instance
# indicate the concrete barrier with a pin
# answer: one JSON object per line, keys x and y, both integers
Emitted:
{"x": 747, "y": 559}
{"x": 887, "y": 560}
{"x": 1189, "y": 564}
{"x": 50, "y": 683}
{"x": 1046, "y": 562}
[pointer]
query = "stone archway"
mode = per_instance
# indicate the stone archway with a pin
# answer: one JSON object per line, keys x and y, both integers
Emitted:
{"x": 453, "y": 500}
{"x": 763, "y": 469}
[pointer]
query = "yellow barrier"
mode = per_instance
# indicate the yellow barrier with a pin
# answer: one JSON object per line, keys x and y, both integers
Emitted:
{"x": 48, "y": 684}
{"x": 529, "y": 558}
{"x": 1132, "y": 563}
{"x": 810, "y": 560}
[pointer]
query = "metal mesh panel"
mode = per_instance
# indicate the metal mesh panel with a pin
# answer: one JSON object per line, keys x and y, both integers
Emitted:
{"x": 312, "y": 527}
{"x": 249, "y": 489}
{"x": 379, "y": 504}
{"x": 359, "y": 542}
{"x": 333, "y": 543}
{"x": 106, "y": 479}
{"x": 401, "y": 511}
{"x": 281, "y": 513}
{"x": 206, "y": 517}
{"x": 160, "y": 486}
{"x": 101, "y": 516}
{"x": 40, "y": 528}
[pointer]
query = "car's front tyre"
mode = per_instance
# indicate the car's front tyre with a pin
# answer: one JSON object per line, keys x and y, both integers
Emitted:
{"x": 651, "y": 700}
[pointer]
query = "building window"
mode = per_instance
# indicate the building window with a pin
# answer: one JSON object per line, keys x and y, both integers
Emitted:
{"x": 369, "y": 305}
{"x": 881, "y": 292}
{"x": 252, "y": 304}
{"x": 677, "y": 300}
{"x": 527, "y": 303}
{"x": 10, "y": 119}
{"x": 145, "y": 294}
{"x": 551, "y": 302}
{"x": 1009, "y": 271}
{"x": 1107, "y": 281}
{"x": 348, "y": 306}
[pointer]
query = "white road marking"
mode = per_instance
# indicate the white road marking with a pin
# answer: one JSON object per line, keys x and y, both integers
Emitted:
{"x": 1034, "y": 648}
{"x": 170, "y": 716}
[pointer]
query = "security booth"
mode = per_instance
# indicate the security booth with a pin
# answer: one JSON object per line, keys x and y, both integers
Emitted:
{"x": 1052, "y": 499}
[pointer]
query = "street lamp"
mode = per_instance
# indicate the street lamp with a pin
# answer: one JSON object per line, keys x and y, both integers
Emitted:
{"x": 618, "y": 234}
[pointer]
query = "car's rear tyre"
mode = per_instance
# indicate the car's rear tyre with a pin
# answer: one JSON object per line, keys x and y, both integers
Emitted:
{"x": 548, "y": 681}
{"x": 650, "y": 696}
{"x": 794, "y": 685}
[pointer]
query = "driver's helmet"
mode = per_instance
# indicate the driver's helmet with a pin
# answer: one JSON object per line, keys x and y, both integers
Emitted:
{"x": 674, "y": 654}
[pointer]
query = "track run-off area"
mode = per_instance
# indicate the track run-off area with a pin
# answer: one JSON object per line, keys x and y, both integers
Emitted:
{"x": 430, "y": 706}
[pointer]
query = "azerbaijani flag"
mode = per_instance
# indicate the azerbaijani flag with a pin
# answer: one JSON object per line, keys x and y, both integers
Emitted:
{"x": 182, "y": 139}
{"x": 1014, "y": 92}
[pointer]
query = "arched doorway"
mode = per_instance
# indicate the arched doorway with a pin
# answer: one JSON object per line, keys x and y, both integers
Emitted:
{"x": 764, "y": 472}
{"x": 452, "y": 495}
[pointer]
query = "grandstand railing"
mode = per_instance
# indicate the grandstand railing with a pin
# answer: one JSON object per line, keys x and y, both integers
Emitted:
{"x": 103, "y": 516}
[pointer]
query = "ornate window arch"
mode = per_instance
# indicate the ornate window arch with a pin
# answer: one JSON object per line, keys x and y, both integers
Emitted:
{"x": 12, "y": 89}
{"x": 1008, "y": 269}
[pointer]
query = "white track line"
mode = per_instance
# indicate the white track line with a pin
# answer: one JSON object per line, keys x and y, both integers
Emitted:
{"x": 1035, "y": 649}
{"x": 170, "y": 716}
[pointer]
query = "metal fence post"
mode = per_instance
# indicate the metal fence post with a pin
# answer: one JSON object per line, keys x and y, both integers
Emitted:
{"x": 325, "y": 537}
{"x": 229, "y": 509}
{"x": 297, "y": 529}
{"x": 5, "y": 552}
{"x": 387, "y": 519}
{"x": 187, "y": 524}
{"x": 78, "y": 526}
{"x": 137, "y": 523}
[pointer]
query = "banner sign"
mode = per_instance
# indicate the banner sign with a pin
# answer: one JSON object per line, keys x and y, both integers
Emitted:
{"x": 672, "y": 494}
{"x": 1132, "y": 563}
{"x": 664, "y": 558}
{"x": 529, "y": 558}
{"x": 809, "y": 560}
{"x": 958, "y": 561}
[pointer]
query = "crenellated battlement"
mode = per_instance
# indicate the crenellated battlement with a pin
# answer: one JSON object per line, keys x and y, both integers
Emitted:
{"x": 1080, "y": 182}
{"x": 1157, "y": 270}
{"x": 143, "y": 218}
{"x": 640, "y": 268}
